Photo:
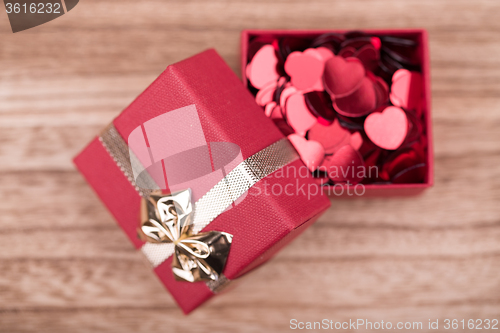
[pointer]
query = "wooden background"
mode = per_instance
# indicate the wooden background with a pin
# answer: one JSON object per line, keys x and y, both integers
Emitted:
{"x": 65, "y": 266}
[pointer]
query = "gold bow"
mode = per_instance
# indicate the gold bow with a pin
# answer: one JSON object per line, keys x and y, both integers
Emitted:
{"x": 168, "y": 219}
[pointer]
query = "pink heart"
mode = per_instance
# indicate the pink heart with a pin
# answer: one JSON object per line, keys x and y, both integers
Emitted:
{"x": 266, "y": 94}
{"x": 332, "y": 137}
{"x": 387, "y": 129}
{"x": 287, "y": 92}
{"x": 298, "y": 115}
{"x": 311, "y": 152}
{"x": 269, "y": 108}
{"x": 325, "y": 53}
{"x": 406, "y": 89}
{"x": 343, "y": 76}
{"x": 273, "y": 111}
{"x": 346, "y": 165}
{"x": 262, "y": 69}
{"x": 356, "y": 140}
{"x": 305, "y": 68}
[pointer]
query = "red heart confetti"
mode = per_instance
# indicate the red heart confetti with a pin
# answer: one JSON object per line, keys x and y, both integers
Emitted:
{"x": 356, "y": 140}
{"x": 311, "y": 152}
{"x": 345, "y": 166}
{"x": 262, "y": 70}
{"x": 347, "y": 52}
{"x": 369, "y": 56}
{"x": 381, "y": 89}
{"x": 287, "y": 92}
{"x": 330, "y": 96}
{"x": 266, "y": 94}
{"x": 298, "y": 115}
{"x": 325, "y": 53}
{"x": 343, "y": 76}
{"x": 320, "y": 105}
{"x": 406, "y": 89}
{"x": 269, "y": 109}
{"x": 361, "y": 102}
{"x": 332, "y": 137}
{"x": 305, "y": 69}
{"x": 387, "y": 129}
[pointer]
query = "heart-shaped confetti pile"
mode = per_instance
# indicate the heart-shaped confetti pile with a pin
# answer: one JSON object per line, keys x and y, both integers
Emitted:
{"x": 347, "y": 102}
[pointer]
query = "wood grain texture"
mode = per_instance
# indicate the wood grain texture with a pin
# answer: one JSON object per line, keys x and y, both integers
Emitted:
{"x": 66, "y": 267}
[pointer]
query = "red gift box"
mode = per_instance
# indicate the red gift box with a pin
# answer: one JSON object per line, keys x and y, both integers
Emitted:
{"x": 260, "y": 223}
{"x": 421, "y": 54}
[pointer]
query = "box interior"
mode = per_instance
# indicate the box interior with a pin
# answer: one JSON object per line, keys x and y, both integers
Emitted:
{"x": 421, "y": 54}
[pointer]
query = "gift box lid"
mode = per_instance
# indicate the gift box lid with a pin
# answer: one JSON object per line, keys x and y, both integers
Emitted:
{"x": 180, "y": 122}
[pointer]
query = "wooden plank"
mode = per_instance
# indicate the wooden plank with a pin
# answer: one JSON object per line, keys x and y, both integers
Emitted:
{"x": 326, "y": 240}
{"x": 264, "y": 318}
{"x": 92, "y": 282}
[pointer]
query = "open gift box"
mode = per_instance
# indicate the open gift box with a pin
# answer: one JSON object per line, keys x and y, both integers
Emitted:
{"x": 208, "y": 186}
{"x": 200, "y": 180}
{"x": 355, "y": 104}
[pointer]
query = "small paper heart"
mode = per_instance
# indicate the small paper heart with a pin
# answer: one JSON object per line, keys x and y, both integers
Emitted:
{"x": 356, "y": 140}
{"x": 332, "y": 137}
{"x": 266, "y": 94}
{"x": 276, "y": 112}
{"x": 320, "y": 104}
{"x": 325, "y": 53}
{"x": 361, "y": 102}
{"x": 287, "y": 92}
{"x": 343, "y": 76}
{"x": 304, "y": 68}
{"x": 269, "y": 109}
{"x": 369, "y": 56}
{"x": 406, "y": 89}
{"x": 298, "y": 115}
{"x": 387, "y": 129}
{"x": 257, "y": 43}
{"x": 311, "y": 152}
{"x": 346, "y": 165}
{"x": 262, "y": 69}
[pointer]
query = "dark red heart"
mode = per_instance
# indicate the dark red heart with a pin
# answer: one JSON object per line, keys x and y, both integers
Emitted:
{"x": 345, "y": 166}
{"x": 343, "y": 76}
{"x": 320, "y": 104}
{"x": 361, "y": 102}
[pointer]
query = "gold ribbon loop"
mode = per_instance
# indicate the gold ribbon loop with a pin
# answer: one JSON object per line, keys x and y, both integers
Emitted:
{"x": 168, "y": 219}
